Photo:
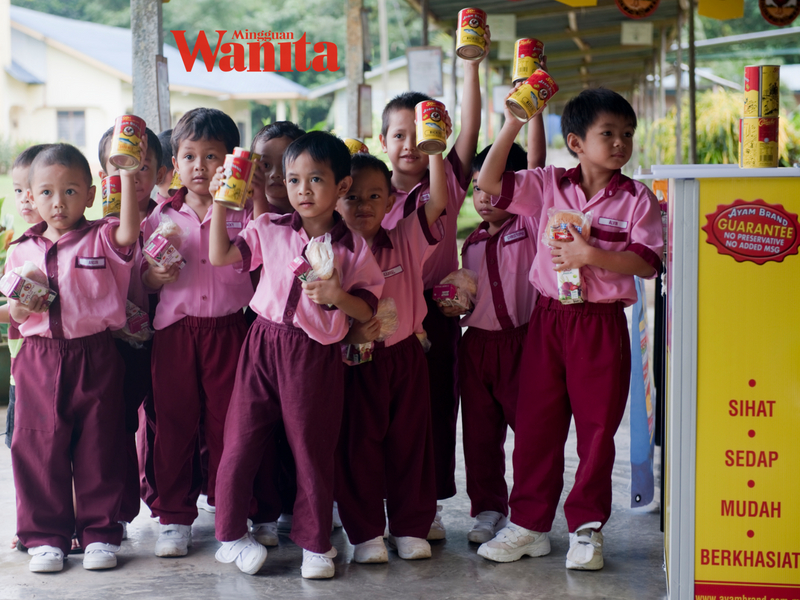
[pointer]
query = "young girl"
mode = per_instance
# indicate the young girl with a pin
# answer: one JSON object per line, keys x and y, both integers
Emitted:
{"x": 271, "y": 142}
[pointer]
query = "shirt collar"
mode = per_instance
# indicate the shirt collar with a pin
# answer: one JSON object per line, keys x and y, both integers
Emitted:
{"x": 178, "y": 198}
{"x": 617, "y": 182}
{"x": 381, "y": 241}
{"x": 339, "y": 232}
{"x": 479, "y": 235}
{"x": 39, "y": 229}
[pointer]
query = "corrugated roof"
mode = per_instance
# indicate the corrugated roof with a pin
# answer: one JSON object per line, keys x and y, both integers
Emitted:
{"x": 112, "y": 47}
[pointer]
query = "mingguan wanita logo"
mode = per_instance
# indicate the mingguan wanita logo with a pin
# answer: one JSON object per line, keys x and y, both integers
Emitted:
{"x": 292, "y": 54}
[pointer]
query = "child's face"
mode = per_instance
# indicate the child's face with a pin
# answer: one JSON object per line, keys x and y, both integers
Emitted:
{"x": 271, "y": 152}
{"x": 61, "y": 195}
{"x": 22, "y": 197}
{"x": 400, "y": 144}
{"x": 197, "y": 161}
{"x": 608, "y": 143}
{"x": 312, "y": 187}
{"x": 366, "y": 203}
{"x": 483, "y": 205}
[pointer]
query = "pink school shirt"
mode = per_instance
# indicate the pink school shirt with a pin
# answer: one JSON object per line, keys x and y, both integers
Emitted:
{"x": 89, "y": 273}
{"x": 503, "y": 261}
{"x": 401, "y": 254}
{"x": 273, "y": 242}
{"x": 626, "y": 216}
{"x": 445, "y": 257}
{"x": 202, "y": 290}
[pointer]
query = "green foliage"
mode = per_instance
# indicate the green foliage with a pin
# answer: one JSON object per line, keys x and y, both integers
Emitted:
{"x": 9, "y": 151}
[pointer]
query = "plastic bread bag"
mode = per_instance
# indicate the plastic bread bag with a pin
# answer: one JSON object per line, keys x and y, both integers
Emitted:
{"x": 161, "y": 248}
{"x": 29, "y": 270}
{"x": 137, "y": 329}
{"x": 422, "y": 336}
{"x": 319, "y": 254}
{"x": 570, "y": 284}
{"x": 355, "y": 354}
{"x": 25, "y": 283}
{"x": 459, "y": 288}
{"x": 387, "y": 315}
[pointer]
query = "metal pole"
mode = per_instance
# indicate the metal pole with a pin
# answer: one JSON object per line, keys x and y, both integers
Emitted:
{"x": 662, "y": 72}
{"x": 678, "y": 77}
{"x": 383, "y": 28}
{"x": 148, "y": 41}
{"x": 423, "y": 6}
{"x": 355, "y": 64}
{"x": 692, "y": 90}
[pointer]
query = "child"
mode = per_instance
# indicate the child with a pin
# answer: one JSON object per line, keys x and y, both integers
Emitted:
{"x": 137, "y": 385}
{"x": 164, "y": 185}
{"x": 199, "y": 318}
{"x": 385, "y": 445}
{"x": 271, "y": 142}
{"x": 290, "y": 367}
{"x": 500, "y": 251}
{"x": 70, "y": 419}
{"x": 577, "y": 355}
{"x": 411, "y": 188}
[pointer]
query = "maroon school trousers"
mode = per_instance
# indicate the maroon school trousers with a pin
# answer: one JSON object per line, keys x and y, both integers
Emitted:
{"x": 576, "y": 362}
{"x": 444, "y": 334}
{"x": 145, "y": 441}
{"x": 69, "y": 425}
{"x": 283, "y": 375}
{"x": 386, "y": 446}
{"x": 489, "y": 369}
{"x": 194, "y": 366}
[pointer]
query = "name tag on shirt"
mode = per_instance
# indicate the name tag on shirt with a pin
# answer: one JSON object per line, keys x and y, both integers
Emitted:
{"x": 425, "y": 197}
{"x": 613, "y": 223}
{"x": 90, "y": 262}
{"x": 393, "y": 271}
{"x": 233, "y": 224}
{"x": 515, "y": 236}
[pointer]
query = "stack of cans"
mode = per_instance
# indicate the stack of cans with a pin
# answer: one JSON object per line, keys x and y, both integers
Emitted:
{"x": 758, "y": 127}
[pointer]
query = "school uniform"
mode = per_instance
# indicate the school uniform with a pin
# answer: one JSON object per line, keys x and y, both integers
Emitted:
{"x": 290, "y": 370}
{"x": 443, "y": 332}
{"x": 386, "y": 444}
{"x": 200, "y": 328}
{"x": 490, "y": 353}
{"x": 577, "y": 355}
{"x": 70, "y": 411}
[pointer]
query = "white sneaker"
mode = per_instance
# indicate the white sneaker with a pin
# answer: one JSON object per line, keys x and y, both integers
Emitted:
{"x": 174, "y": 540}
{"x": 586, "y": 548}
{"x": 513, "y": 542}
{"x": 486, "y": 526}
{"x": 46, "y": 559}
{"x": 248, "y": 554}
{"x": 285, "y": 524}
{"x": 410, "y": 548}
{"x": 265, "y": 534}
{"x": 337, "y": 521}
{"x": 98, "y": 556}
{"x": 124, "y": 529}
{"x": 371, "y": 551}
{"x": 318, "y": 566}
{"x": 202, "y": 504}
{"x": 437, "y": 531}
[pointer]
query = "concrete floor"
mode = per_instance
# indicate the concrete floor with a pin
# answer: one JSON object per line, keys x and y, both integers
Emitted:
{"x": 633, "y": 560}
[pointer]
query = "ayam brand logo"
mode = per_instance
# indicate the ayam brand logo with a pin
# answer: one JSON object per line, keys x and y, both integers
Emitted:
{"x": 232, "y": 54}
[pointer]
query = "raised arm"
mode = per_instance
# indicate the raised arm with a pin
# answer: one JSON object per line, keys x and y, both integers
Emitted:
{"x": 221, "y": 251}
{"x": 537, "y": 143}
{"x": 437, "y": 202}
{"x": 467, "y": 140}
{"x": 490, "y": 179}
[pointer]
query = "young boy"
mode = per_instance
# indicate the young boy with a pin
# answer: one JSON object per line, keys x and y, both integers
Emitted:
{"x": 577, "y": 355}
{"x": 500, "y": 251}
{"x": 385, "y": 446}
{"x": 137, "y": 385}
{"x": 290, "y": 368}
{"x": 70, "y": 420}
{"x": 199, "y": 318}
{"x": 411, "y": 187}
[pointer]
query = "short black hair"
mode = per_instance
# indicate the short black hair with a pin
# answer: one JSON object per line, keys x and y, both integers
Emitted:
{"x": 276, "y": 130}
{"x": 25, "y": 158}
{"x": 584, "y": 109}
{"x": 322, "y": 147}
{"x": 517, "y": 158}
{"x": 65, "y": 155}
{"x": 407, "y": 100}
{"x": 205, "y": 124}
{"x": 166, "y": 148}
{"x": 362, "y": 160}
{"x": 153, "y": 144}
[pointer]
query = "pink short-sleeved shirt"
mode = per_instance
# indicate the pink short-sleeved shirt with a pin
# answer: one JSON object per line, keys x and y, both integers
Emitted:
{"x": 401, "y": 254}
{"x": 503, "y": 261}
{"x": 445, "y": 257}
{"x": 273, "y": 242}
{"x": 89, "y": 273}
{"x": 625, "y": 216}
{"x": 202, "y": 290}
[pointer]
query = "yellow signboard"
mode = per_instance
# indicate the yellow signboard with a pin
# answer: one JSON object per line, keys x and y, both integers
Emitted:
{"x": 747, "y": 517}
{"x": 721, "y": 9}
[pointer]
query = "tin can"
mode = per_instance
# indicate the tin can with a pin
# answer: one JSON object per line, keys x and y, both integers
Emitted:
{"x": 758, "y": 142}
{"x": 233, "y": 191}
{"x": 761, "y": 91}
{"x": 176, "y": 182}
{"x": 242, "y": 152}
{"x": 126, "y": 152}
{"x": 470, "y": 43}
{"x": 530, "y": 98}
{"x": 431, "y": 129}
{"x": 356, "y": 146}
{"x": 111, "y": 189}
{"x": 527, "y": 58}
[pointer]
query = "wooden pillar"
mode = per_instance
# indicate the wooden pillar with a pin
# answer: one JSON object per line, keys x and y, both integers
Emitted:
{"x": 662, "y": 73}
{"x": 148, "y": 42}
{"x": 678, "y": 94}
{"x": 295, "y": 114}
{"x": 383, "y": 33}
{"x": 423, "y": 9}
{"x": 692, "y": 91}
{"x": 355, "y": 64}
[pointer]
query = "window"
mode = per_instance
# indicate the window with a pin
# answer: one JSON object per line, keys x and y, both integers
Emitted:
{"x": 72, "y": 127}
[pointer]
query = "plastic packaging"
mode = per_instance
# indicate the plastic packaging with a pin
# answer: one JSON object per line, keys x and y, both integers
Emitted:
{"x": 25, "y": 283}
{"x": 137, "y": 328}
{"x": 161, "y": 248}
{"x": 387, "y": 315}
{"x": 459, "y": 288}
{"x": 319, "y": 254}
{"x": 570, "y": 284}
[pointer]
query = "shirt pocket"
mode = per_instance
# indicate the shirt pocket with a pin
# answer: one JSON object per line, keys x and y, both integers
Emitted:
{"x": 511, "y": 247}
{"x": 611, "y": 240}
{"x": 92, "y": 275}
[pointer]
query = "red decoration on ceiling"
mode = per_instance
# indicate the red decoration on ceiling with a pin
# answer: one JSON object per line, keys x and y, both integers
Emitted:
{"x": 639, "y": 9}
{"x": 779, "y": 12}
